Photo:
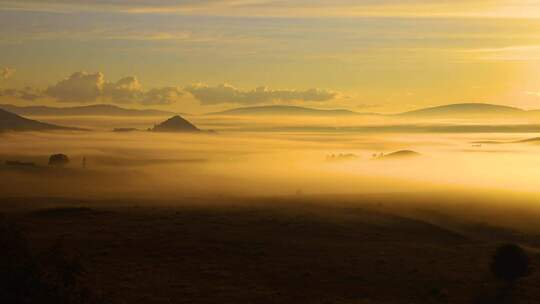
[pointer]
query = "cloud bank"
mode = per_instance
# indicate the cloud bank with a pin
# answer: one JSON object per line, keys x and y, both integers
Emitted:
{"x": 226, "y": 93}
{"x": 79, "y": 87}
{"x": 28, "y": 94}
{"x": 83, "y": 87}
{"x": 165, "y": 95}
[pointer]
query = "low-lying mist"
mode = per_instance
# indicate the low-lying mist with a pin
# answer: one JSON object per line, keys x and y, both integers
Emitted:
{"x": 260, "y": 164}
{"x": 169, "y": 166}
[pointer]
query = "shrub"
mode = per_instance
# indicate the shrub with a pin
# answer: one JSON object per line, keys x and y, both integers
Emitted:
{"x": 58, "y": 160}
{"x": 510, "y": 262}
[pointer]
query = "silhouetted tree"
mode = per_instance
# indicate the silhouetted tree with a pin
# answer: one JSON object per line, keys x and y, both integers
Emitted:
{"x": 58, "y": 160}
{"x": 510, "y": 262}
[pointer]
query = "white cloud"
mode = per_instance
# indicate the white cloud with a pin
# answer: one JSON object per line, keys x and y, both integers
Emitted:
{"x": 226, "y": 93}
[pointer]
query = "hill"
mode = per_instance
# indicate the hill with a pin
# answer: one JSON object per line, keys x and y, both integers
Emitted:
{"x": 529, "y": 140}
{"x": 90, "y": 110}
{"x": 175, "y": 124}
{"x": 13, "y": 122}
{"x": 465, "y": 110}
{"x": 400, "y": 154}
{"x": 284, "y": 110}
{"x": 461, "y": 110}
{"x": 534, "y": 140}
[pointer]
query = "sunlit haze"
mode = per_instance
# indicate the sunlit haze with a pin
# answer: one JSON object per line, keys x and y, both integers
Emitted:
{"x": 382, "y": 56}
{"x": 269, "y": 151}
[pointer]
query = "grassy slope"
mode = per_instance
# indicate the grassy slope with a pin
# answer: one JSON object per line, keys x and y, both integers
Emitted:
{"x": 304, "y": 254}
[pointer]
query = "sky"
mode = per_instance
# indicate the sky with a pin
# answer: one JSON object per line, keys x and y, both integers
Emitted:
{"x": 199, "y": 56}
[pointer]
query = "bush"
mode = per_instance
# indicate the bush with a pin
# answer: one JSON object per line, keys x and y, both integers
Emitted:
{"x": 58, "y": 160}
{"x": 510, "y": 262}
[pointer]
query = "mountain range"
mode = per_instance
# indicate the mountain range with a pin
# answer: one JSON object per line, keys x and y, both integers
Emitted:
{"x": 287, "y": 110}
{"x": 467, "y": 109}
{"x": 455, "y": 111}
{"x": 461, "y": 110}
{"x": 90, "y": 110}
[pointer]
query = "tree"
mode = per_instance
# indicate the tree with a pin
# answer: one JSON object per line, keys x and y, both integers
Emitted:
{"x": 510, "y": 262}
{"x": 58, "y": 160}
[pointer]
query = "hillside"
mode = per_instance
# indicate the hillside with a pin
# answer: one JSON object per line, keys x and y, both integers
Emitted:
{"x": 13, "y": 122}
{"x": 297, "y": 250}
{"x": 90, "y": 110}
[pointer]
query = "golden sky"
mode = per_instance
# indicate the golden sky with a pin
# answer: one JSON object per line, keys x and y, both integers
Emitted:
{"x": 205, "y": 55}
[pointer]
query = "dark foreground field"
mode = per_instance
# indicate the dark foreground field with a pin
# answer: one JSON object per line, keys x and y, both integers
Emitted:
{"x": 286, "y": 250}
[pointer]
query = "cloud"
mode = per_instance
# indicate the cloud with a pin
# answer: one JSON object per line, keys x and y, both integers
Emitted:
{"x": 291, "y": 8}
{"x": 83, "y": 87}
{"x": 6, "y": 73}
{"x": 532, "y": 93}
{"x": 79, "y": 87}
{"x": 226, "y": 93}
{"x": 162, "y": 96}
{"x": 125, "y": 90}
{"x": 28, "y": 93}
{"x": 508, "y": 53}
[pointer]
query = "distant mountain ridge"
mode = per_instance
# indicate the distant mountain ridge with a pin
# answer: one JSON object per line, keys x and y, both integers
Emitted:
{"x": 285, "y": 110}
{"x": 90, "y": 110}
{"x": 465, "y": 109}
{"x": 13, "y": 122}
{"x": 458, "y": 110}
